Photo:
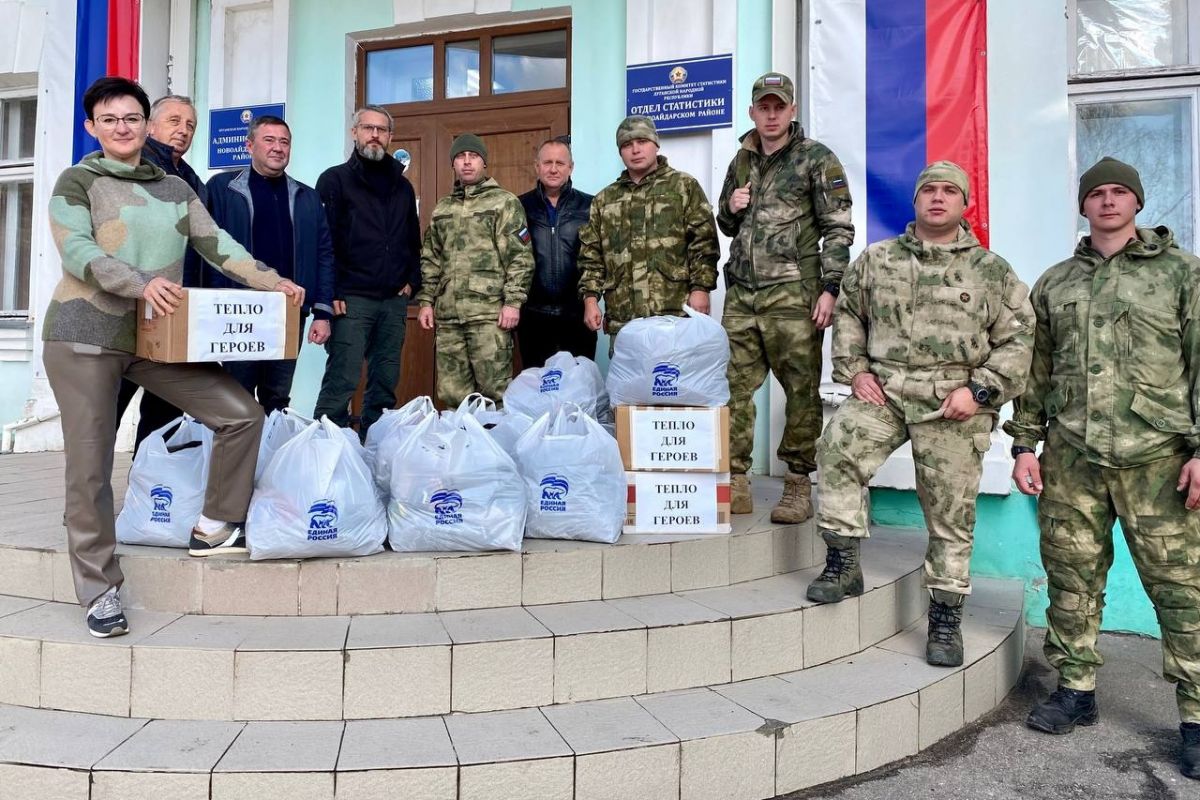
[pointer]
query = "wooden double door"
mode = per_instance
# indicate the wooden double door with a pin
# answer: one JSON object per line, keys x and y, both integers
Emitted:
{"x": 512, "y": 136}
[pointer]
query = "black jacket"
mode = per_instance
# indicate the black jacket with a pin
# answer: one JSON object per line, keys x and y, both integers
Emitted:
{"x": 163, "y": 156}
{"x": 556, "y": 250}
{"x": 376, "y": 241}
{"x": 232, "y": 207}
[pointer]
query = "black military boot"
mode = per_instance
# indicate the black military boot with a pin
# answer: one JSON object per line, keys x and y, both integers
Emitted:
{"x": 1189, "y": 753}
{"x": 944, "y": 647}
{"x": 1063, "y": 710}
{"x": 842, "y": 576}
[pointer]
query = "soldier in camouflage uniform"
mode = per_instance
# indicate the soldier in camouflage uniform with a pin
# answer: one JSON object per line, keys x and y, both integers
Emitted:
{"x": 650, "y": 243}
{"x": 786, "y": 204}
{"x": 476, "y": 265}
{"x": 1114, "y": 392}
{"x": 933, "y": 333}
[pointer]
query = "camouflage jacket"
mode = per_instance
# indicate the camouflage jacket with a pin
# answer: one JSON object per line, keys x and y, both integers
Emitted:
{"x": 797, "y": 225}
{"x": 476, "y": 255}
{"x": 927, "y": 318}
{"x": 1116, "y": 363}
{"x": 647, "y": 245}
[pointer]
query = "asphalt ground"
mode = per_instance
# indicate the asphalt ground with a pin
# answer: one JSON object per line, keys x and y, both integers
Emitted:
{"x": 1131, "y": 753}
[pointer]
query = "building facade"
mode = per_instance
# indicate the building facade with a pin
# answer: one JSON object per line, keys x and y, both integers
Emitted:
{"x": 1059, "y": 83}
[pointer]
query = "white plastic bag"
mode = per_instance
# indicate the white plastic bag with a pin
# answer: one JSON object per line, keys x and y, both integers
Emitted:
{"x": 574, "y": 478}
{"x": 280, "y": 427}
{"x": 454, "y": 488}
{"x": 564, "y": 379}
{"x": 390, "y": 431}
{"x": 166, "y": 485}
{"x": 316, "y": 498}
{"x": 670, "y": 361}
{"x": 503, "y": 425}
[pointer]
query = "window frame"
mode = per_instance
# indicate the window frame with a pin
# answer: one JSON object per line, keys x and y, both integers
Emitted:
{"x": 485, "y": 100}
{"x": 1192, "y": 67}
{"x": 17, "y": 171}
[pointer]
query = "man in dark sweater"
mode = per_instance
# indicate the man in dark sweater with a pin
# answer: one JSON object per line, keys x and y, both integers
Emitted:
{"x": 281, "y": 222}
{"x": 372, "y": 212}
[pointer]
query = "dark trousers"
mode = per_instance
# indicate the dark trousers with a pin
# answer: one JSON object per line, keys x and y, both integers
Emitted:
{"x": 540, "y": 336}
{"x": 154, "y": 412}
{"x": 270, "y": 382}
{"x": 372, "y": 330}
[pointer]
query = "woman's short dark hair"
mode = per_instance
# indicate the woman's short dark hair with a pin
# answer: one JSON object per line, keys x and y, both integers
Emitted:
{"x": 112, "y": 87}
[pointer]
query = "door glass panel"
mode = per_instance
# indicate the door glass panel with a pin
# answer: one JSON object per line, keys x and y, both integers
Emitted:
{"x": 1156, "y": 137}
{"x": 401, "y": 75}
{"x": 1129, "y": 34}
{"x": 462, "y": 69}
{"x": 529, "y": 61}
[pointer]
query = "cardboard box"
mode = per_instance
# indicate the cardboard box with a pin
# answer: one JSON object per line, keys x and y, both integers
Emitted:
{"x": 677, "y": 502}
{"x": 674, "y": 438}
{"x": 221, "y": 325}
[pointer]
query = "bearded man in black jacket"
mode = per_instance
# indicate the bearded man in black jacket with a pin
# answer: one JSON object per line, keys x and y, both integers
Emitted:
{"x": 372, "y": 213}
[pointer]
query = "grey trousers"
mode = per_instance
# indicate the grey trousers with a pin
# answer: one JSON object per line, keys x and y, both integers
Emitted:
{"x": 85, "y": 379}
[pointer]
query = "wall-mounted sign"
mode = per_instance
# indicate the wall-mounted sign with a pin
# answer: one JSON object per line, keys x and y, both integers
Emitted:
{"x": 686, "y": 95}
{"x": 227, "y": 132}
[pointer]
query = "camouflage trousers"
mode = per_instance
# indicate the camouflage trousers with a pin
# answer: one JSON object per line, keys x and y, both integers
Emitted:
{"x": 472, "y": 357}
{"x": 1079, "y": 503}
{"x": 948, "y": 457}
{"x": 772, "y": 329}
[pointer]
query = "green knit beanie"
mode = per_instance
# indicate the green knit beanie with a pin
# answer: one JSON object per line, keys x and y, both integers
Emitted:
{"x": 1109, "y": 170}
{"x": 946, "y": 171}
{"x": 468, "y": 143}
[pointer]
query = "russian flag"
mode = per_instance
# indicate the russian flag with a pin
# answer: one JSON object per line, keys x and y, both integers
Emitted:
{"x": 897, "y": 84}
{"x": 107, "y": 36}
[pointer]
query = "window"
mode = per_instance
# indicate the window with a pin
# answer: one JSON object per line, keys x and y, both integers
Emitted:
{"x": 18, "y": 117}
{"x": 1134, "y": 84}
{"x": 530, "y": 57}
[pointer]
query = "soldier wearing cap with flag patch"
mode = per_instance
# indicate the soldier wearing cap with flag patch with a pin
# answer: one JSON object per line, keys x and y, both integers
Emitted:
{"x": 650, "y": 244}
{"x": 786, "y": 205}
{"x": 476, "y": 265}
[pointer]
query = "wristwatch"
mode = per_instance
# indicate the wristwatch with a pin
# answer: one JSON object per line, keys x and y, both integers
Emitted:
{"x": 981, "y": 394}
{"x": 1019, "y": 449}
{"x": 833, "y": 288}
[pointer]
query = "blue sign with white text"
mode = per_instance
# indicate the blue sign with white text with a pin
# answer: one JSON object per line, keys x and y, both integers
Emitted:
{"x": 227, "y": 132}
{"x": 686, "y": 95}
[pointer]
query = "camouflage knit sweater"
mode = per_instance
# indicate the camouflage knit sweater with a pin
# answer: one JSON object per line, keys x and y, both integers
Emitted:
{"x": 117, "y": 227}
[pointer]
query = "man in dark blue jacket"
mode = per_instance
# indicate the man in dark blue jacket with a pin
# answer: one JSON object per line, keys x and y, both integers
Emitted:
{"x": 281, "y": 222}
{"x": 552, "y": 318}
{"x": 171, "y": 127}
{"x": 372, "y": 212}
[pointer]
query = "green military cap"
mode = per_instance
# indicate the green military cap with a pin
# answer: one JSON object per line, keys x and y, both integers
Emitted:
{"x": 775, "y": 83}
{"x": 946, "y": 171}
{"x": 636, "y": 127}
{"x": 468, "y": 143}
{"x": 1109, "y": 170}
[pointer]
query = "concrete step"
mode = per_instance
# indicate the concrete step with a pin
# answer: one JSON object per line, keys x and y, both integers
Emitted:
{"x": 741, "y": 741}
{"x": 403, "y": 665}
{"x": 34, "y": 564}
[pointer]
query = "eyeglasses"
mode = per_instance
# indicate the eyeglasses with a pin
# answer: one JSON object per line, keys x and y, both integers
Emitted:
{"x": 376, "y": 129}
{"x": 110, "y": 122}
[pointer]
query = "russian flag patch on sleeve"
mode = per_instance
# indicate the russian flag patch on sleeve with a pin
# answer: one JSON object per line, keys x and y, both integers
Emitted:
{"x": 523, "y": 235}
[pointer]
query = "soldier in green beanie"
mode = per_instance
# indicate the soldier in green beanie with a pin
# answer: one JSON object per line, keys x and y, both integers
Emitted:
{"x": 1114, "y": 396}
{"x": 650, "y": 243}
{"x": 476, "y": 265}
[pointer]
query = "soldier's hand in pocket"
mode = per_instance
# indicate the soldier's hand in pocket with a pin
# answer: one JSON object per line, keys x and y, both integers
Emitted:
{"x": 866, "y": 387}
{"x": 960, "y": 405}
{"x": 509, "y": 317}
{"x": 1189, "y": 481}
{"x": 1027, "y": 474}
